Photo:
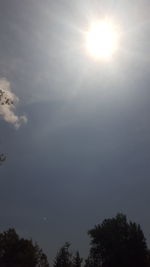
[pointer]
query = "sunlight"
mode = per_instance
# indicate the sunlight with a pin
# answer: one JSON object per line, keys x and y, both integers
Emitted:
{"x": 102, "y": 39}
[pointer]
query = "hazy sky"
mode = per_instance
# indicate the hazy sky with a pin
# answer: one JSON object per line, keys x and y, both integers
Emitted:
{"x": 84, "y": 152}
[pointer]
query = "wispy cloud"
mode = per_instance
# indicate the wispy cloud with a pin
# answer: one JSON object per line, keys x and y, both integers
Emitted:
{"x": 8, "y": 101}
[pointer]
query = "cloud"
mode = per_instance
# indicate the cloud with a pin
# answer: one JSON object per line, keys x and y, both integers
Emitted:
{"x": 8, "y": 101}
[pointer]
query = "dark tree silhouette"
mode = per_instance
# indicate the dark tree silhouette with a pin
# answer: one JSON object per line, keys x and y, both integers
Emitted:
{"x": 89, "y": 262}
{"x": 77, "y": 260}
{"x": 63, "y": 257}
{"x": 148, "y": 258}
{"x": 117, "y": 242}
{"x": 19, "y": 252}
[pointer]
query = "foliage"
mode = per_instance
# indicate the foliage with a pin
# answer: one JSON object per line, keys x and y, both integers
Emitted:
{"x": 63, "y": 257}
{"x": 116, "y": 243}
{"x": 19, "y": 252}
{"x": 77, "y": 260}
{"x": 90, "y": 261}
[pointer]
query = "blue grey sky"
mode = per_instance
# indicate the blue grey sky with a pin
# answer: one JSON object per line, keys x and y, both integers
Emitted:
{"x": 84, "y": 153}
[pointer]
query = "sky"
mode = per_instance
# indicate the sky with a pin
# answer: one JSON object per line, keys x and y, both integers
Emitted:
{"x": 77, "y": 139}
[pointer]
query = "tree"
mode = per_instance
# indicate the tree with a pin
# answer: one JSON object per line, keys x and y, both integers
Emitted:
{"x": 90, "y": 261}
{"x": 63, "y": 257}
{"x": 117, "y": 242}
{"x": 19, "y": 252}
{"x": 77, "y": 260}
{"x": 148, "y": 258}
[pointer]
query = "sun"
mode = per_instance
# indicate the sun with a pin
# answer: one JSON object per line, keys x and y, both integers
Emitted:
{"x": 102, "y": 39}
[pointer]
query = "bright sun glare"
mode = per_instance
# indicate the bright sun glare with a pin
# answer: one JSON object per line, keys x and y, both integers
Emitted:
{"x": 102, "y": 39}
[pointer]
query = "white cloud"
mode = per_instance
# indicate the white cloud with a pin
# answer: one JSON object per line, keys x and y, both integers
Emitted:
{"x": 7, "y": 108}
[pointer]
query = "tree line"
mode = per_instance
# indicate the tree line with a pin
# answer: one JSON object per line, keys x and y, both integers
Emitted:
{"x": 115, "y": 242}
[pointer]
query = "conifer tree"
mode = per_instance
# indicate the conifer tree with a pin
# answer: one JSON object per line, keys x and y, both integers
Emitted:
{"x": 77, "y": 260}
{"x": 63, "y": 257}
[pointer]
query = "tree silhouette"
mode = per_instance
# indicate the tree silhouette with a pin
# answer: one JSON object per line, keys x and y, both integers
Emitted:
{"x": 116, "y": 243}
{"x": 19, "y": 252}
{"x": 77, "y": 260}
{"x": 90, "y": 261}
{"x": 63, "y": 257}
